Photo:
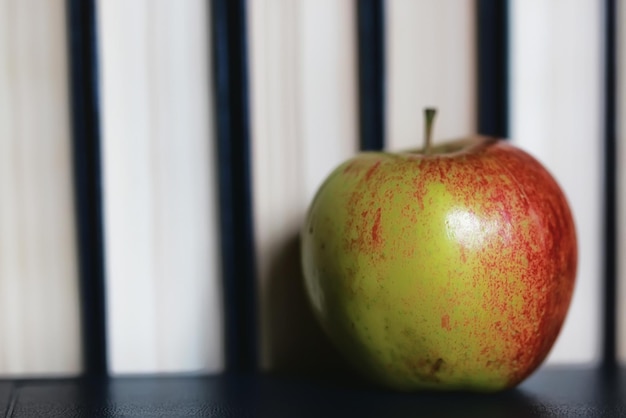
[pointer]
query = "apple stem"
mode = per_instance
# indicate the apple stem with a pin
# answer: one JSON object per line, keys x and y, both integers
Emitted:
{"x": 429, "y": 116}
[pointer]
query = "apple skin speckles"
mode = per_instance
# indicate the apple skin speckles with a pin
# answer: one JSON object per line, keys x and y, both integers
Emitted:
{"x": 376, "y": 234}
{"x": 445, "y": 322}
{"x": 469, "y": 257}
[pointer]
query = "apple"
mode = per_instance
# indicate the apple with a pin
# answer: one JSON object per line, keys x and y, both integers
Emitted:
{"x": 446, "y": 268}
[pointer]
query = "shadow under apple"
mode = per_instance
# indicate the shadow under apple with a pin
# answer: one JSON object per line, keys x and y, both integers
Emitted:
{"x": 296, "y": 343}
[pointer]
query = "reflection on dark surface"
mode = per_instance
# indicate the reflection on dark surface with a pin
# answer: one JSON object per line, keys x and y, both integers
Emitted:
{"x": 561, "y": 391}
{"x": 6, "y": 390}
{"x": 550, "y": 392}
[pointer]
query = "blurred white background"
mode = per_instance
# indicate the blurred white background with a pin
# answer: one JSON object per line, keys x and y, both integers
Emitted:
{"x": 164, "y": 309}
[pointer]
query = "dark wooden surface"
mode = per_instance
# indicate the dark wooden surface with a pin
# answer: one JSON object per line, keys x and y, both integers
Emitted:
{"x": 556, "y": 392}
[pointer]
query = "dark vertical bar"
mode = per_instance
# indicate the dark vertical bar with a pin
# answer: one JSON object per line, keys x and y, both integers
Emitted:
{"x": 87, "y": 180}
{"x": 233, "y": 145}
{"x": 493, "y": 69}
{"x": 610, "y": 191}
{"x": 371, "y": 39}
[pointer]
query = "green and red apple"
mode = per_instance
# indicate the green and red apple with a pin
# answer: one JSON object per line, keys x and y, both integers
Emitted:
{"x": 448, "y": 268}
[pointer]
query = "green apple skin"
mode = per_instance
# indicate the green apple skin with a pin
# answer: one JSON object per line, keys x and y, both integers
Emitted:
{"x": 448, "y": 271}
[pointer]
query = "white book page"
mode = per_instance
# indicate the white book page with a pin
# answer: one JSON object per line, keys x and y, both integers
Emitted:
{"x": 164, "y": 310}
{"x": 431, "y": 62}
{"x": 39, "y": 301}
{"x": 303, "y": 84}
{"x": 556, "y": 115}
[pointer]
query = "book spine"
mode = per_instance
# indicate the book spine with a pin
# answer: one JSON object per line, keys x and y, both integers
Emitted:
{"x": 431, "y": 62}
{"x": 39, "y": 309}
{"x": 164, "y": 310}
{"x": 620, "y": 103}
